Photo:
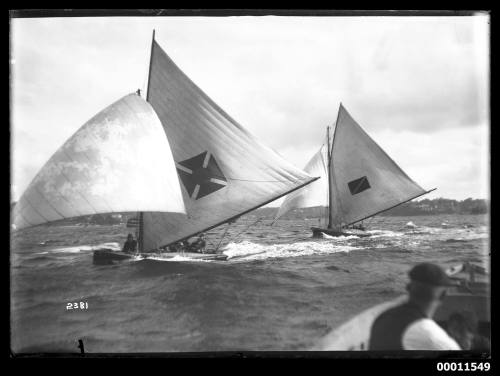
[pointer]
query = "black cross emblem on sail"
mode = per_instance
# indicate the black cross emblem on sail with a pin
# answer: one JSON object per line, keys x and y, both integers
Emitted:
{"x": 358, "y": 185}
{"x": 201, "y": 175}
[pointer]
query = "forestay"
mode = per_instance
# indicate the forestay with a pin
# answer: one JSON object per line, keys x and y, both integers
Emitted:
{"x": 364, "y": 179}
{"x": 224, "y": 171}
{"x": 314, "y": 194}
{"x": 119, "y": 161}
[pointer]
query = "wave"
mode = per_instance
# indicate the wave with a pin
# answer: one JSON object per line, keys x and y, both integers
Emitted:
{"x": 86, "y": 248}
{"x": 466, "y": 238}
{"x": 384, "y": 233}
{"x": 342, "y": 237}
{"x": 248, "y": 250}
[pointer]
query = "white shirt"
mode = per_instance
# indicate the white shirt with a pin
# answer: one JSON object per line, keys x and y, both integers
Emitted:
{"x": 426, "y": 334}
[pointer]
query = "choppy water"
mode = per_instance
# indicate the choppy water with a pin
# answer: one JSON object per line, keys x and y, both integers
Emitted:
{"x": 279, "y": 289}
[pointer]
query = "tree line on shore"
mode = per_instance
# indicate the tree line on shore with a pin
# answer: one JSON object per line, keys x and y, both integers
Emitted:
{"x": 411, "y": 208}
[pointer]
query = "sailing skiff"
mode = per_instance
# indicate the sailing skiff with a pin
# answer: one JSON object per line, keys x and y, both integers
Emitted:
{"x": 175, "y": 158}
{"x": 358, "y": 181}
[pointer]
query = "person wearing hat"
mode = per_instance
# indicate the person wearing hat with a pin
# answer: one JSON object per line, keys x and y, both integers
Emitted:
{"x": 410, "y": 326}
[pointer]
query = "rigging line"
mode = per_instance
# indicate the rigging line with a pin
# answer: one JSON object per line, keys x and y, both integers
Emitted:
{"x": 233, "y": 218}
{"x": 264, "y": 181}
{"x": 223, "y": 236}
{"x": 251, "y": 224}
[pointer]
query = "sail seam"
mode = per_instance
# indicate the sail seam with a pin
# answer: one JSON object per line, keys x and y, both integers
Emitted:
{"x": 20, "y": 214}
{"x": 88, "y": 159}
{"x": 70, "y": 181}
{"x": 48, "y": 202}
{"x": 36, "y": 211}
{"x": 207, "y": 110}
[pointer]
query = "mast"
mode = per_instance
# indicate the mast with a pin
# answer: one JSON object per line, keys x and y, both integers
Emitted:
{"x": 140, "y": 246}
{"x": 330, "y": 175}
{"x": 150, "y": 64}
{"x": 330, "y": 198}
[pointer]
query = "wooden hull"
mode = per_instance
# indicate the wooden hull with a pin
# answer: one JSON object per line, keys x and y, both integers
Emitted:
{"x": 108, "y": 256}
{"x": 354, "y": 334}
{"x": 185, "y": 255}
{"x": 318, "y": 232}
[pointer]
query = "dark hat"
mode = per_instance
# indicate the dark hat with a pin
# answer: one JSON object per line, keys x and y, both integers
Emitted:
{"x": 430, "y": 274}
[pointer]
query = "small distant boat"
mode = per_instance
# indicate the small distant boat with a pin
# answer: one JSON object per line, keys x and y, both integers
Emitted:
{"x": 176, "y": 161}
{"x": 472, "y": 292}
{"x": 358, "y": 181}
{"x": 410, "y": 224}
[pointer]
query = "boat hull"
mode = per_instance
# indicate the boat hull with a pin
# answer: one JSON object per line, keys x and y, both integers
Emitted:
{"x": 107, "y": 256}
{"x": 318, "y": 232}
{"x": 185, "y": 255}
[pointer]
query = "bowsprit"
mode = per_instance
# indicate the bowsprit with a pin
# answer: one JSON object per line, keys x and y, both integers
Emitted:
{"x": 201, "y": 175}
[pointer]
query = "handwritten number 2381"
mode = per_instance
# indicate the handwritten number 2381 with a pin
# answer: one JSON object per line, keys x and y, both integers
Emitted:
{"x": 80, "y": 305}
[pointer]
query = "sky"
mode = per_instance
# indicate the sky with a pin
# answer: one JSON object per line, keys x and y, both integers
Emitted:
{"x": 419, "y": 86}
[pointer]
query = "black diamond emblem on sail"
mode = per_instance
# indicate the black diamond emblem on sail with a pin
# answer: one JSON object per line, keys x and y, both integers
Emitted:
{"x": 358, "y": 185}
{"x": 201, "y": 175}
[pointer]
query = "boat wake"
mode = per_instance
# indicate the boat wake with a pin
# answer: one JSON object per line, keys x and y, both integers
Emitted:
{"x": 82, "y": 248}
{"x": 176, "y": 258}
{"x": 384, "y": 234}
{"x": 250, "y": 251}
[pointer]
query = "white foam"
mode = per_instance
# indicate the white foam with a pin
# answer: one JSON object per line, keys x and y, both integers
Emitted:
{"x": 341, "y": 237}
{"x": 86, "y": 248}
{"x": 252, "y": 251}
{"x": 175, "y": 258}
{"x": 384, "y": 233}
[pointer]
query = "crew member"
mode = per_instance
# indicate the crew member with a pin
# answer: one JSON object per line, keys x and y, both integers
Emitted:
{"x": 410, "y": 326}
{"x": 130, "y": 245}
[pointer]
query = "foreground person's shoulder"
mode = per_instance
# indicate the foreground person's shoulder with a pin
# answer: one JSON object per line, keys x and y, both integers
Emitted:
{"x": 426, "y": 334}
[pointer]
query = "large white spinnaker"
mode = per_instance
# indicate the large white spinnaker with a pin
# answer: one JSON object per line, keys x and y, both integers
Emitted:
{"x": 364, "y": 179}
{"x": 314, "y": 194}
{"x": 119, "y": 161}
{"x": 224, "y": 171}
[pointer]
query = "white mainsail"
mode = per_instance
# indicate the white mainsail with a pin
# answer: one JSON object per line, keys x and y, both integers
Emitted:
{"x": 119, "y": 161}
{"x": 314, "y": 194}
{"x": 365, "y": 180}
{"x": 224, "y": 171}
{"x": 362, "y": 182}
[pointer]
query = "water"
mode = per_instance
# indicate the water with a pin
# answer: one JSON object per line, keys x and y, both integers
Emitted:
{"x": 279, "y": 289}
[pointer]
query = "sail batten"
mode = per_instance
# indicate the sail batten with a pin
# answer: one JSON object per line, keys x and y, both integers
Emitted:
{"x": 119, "y": 161}
{"x": 224, "y": 171}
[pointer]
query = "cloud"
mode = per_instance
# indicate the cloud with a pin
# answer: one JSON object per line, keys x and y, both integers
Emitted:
{"x": 282, "y": 78}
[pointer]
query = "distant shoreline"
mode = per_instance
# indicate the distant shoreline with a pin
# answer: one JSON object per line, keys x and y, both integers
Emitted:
{"x": 424, "y": 207}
